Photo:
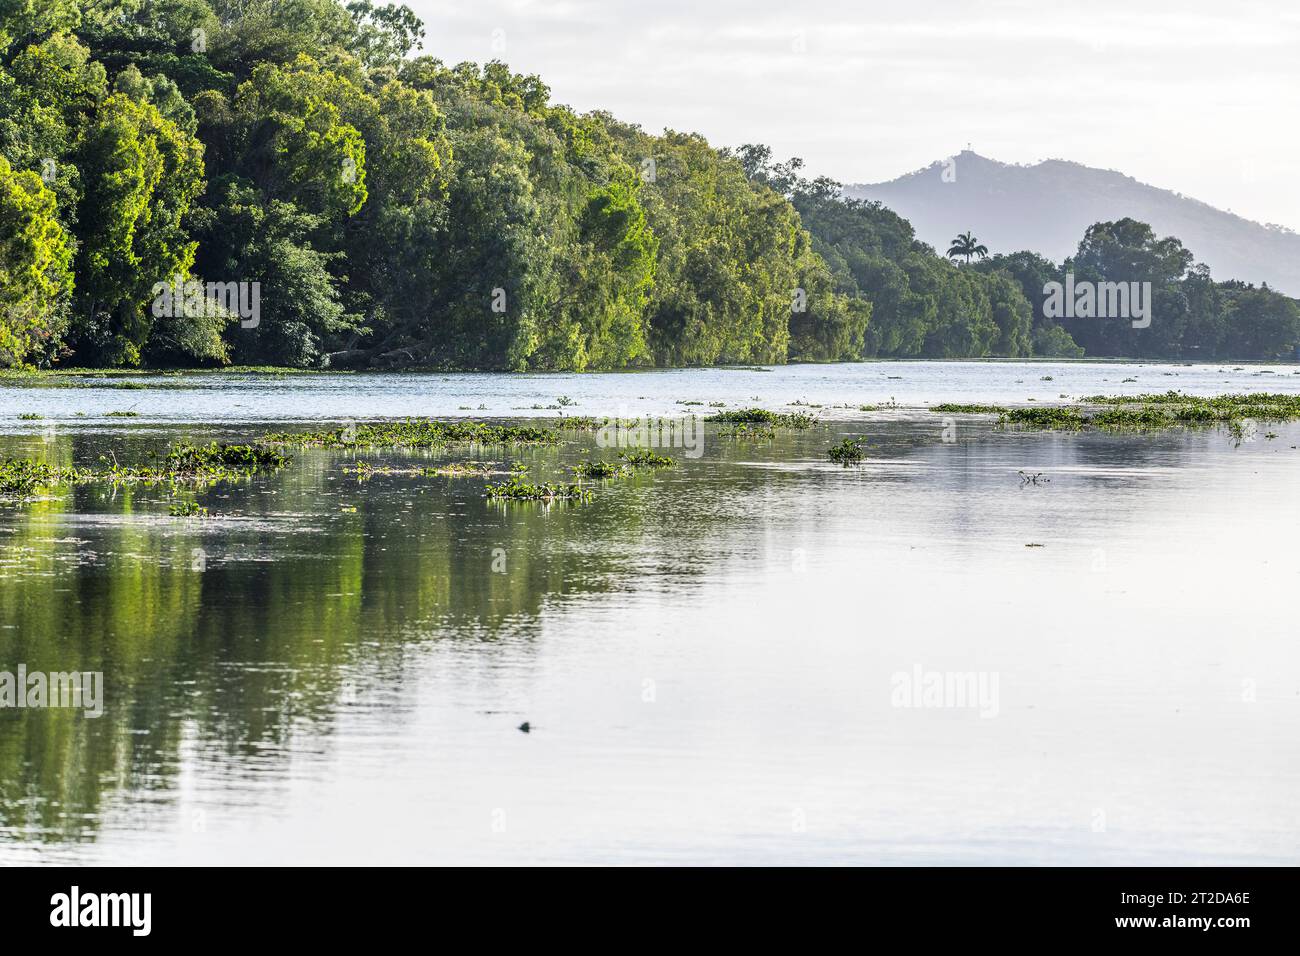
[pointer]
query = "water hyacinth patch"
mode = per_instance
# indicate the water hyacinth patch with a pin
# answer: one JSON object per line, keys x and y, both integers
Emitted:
{"x": 848, "y": 452}
{"x": 1269, "y": 406}
{"x": 960, "y": 409}
{"x": 22, "y": 477}
{"x": 184, "y": 464}
{"x": 461, "y": 469}
{"x": 599, "y": 470}
{"x": 517, "y": 489}
{"x": 1157, "y": 411}
{"x": 751, "y": 432}
{"x": 761, "y": 416}
{"x": 645, "y": 458}
{"x": 1064, "y": 419}
{"x": 200, "y": 464}
{"x": 419, "y": 433}
{"x": 578, "y": 423}
{"x": 241, "y": 459}
{"x": 1122, "y": 418}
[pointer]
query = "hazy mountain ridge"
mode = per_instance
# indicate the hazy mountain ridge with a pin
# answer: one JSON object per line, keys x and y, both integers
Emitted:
{"x": 1046, "y": 207}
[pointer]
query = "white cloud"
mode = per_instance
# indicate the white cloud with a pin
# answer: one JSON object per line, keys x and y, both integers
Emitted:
{"x": 1196, "y": 96}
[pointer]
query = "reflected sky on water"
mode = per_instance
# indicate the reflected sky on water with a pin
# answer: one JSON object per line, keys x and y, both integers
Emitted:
{"x": 708, "y": 657}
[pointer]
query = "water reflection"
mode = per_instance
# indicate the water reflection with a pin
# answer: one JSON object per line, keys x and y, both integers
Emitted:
{"x": 319, "y": 635}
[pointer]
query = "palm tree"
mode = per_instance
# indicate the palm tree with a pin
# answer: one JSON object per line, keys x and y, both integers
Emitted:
{"x": 967, "y": 246}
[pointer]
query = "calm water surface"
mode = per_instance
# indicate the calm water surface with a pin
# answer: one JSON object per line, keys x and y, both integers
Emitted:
{"x": 233, "y": 399}
{"x": 328, "y": 671}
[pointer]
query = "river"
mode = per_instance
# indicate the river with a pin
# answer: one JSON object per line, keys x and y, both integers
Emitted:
{"x": 723, "y": 662}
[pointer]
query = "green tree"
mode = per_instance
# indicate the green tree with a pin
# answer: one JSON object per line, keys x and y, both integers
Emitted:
{"x": 1032, "y": 273}
{"x": 170, "y": 38}
{"x": 384, "y": 35}
{"x": 278, "y": 32}
{"x": 967, "y": 247}
{"x": 1129, "y": 251}
{"x": 1260, "y": 323}
{"x": 35, "y": 268}
{"x": 244, "y": 239}
{"x": 29, "y": 20}
{"x": 293, "y": 139}
{"x": 141, "y": 174}
{"x": 47, "y": 96}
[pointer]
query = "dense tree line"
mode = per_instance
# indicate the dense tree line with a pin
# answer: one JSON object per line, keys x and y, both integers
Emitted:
{"x": 924, "y": 306}
{"x": 920, "y": 304}
{"x": 1194, "y": 317}
{"x": 398, "y": 212}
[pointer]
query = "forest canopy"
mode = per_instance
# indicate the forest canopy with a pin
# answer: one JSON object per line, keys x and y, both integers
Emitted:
{"x": 393, "y": 211}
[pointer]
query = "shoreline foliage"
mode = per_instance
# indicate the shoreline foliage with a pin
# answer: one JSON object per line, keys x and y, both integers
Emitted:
{"x": 395, "y": 211}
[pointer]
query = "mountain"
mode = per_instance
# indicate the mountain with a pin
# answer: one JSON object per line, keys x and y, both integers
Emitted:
{"x": 1047, "y": 207}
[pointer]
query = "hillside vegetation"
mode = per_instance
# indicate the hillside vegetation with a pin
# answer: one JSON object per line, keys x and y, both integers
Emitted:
{"x": 377, "y": 208}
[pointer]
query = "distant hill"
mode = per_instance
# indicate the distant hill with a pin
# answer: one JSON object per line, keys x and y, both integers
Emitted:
{"x": 1047, "y": 207}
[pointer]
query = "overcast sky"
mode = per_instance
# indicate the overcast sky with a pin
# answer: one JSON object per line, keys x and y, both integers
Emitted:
{"x": 1200, "y": 97}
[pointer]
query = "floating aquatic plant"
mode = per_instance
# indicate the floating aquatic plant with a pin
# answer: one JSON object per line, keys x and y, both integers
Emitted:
{"x": 645, "y": 458}
{"x": 197, "y": 464}
{"x": 517, "y": 489}
{"x": 599, "y": 470}
{"x": 460, "y": 469}
{"x": 22, "y": 477}
{"x": 1066, "y": 419}
{"x": 847, "y": 452}
{"x": 419, "y": 433}
{"x": 1160, "y": 410}
{"x": 221, "y": 459}
{"x": 751, "y": 432}
{"x": 578, "y": 423}
{"x": 761, "y": 416}
{"x": 960, "y": 409}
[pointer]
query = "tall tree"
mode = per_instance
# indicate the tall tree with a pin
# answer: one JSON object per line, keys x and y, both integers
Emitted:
{"x": 967, "y": 247}
{"x": 142, "y": 173}
{"x": 35, "y": 268}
